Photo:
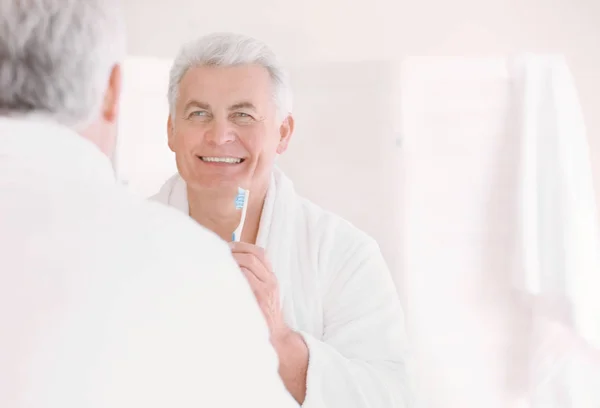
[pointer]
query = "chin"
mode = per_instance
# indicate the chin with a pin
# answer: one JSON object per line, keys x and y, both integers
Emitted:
{"x": 214, "y": 182}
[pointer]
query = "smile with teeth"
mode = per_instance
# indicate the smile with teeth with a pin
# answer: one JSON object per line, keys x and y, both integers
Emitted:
{"x": 213, "y": 159}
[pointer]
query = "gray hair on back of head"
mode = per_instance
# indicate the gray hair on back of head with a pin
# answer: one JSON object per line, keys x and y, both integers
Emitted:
{"x": 56, "y": 57}
{"x": 230, "y": 49}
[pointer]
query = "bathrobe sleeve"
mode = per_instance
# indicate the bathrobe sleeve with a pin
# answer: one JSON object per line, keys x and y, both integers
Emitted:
{"x": 360, "y": 361}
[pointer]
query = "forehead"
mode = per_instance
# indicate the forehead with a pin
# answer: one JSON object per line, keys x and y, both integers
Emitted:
{"x": 215, "y": 85}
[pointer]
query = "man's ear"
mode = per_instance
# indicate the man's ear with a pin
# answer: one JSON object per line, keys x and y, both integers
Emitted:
{"x": 170, "y": 134}
{"x": 286, "y": 130}
{"x": 110, "y": 106}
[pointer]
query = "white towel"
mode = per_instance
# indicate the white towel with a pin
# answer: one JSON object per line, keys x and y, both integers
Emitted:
{"x": 559, "y": 212}
{"x": 560, "y": 239}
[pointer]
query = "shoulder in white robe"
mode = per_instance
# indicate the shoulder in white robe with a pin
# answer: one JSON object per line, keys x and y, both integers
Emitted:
{"x": 107, "y": 300}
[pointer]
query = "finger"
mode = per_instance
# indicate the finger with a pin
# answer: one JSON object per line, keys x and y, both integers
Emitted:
{"x": 244, "y": 247}
{"x": 258, "y": 252}
{"x": 253, "y": 281}
{"x": 259, "y": 289}
{"x": 254, "y": 265}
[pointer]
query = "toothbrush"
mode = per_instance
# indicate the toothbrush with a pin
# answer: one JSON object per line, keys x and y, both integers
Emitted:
{"x": 241, "y": 203}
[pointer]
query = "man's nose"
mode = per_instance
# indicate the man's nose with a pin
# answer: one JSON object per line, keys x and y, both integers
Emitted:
{"x": 220, "y": 133}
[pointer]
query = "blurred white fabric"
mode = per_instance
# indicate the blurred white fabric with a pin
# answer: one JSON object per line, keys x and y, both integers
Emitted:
{"x": 560, "y": 239}
{"x": 500, "y": 234}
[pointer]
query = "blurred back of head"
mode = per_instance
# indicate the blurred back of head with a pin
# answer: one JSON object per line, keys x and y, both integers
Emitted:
{"x": 59, "y": 59}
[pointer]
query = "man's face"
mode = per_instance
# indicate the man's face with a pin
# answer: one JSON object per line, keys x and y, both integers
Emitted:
{"x": 225, "y": 132}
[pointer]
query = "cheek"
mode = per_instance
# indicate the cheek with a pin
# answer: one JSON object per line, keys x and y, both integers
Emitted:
{"x": 187, "y": 137}
{"x": 259, "y": 143}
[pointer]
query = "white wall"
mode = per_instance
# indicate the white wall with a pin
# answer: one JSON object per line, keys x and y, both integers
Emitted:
{"x": 143, "y": 159}
{"x": 461, "y": 226}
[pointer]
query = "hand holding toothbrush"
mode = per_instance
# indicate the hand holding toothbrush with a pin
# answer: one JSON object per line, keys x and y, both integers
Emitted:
{"x": 289, "y": 345}
{"x": 258, "y": 271}
{"x": 263, "y": 282}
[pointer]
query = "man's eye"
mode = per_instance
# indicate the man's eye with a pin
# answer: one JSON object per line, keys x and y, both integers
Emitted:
{"x": 242, "y": 116}
{"x": 198, "y": 113}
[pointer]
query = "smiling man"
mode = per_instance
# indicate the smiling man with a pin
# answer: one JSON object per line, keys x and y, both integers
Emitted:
{"x": 334, "y": 316}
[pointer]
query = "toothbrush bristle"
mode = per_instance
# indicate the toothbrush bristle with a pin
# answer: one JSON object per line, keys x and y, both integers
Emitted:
{"x": 240, "y": 199}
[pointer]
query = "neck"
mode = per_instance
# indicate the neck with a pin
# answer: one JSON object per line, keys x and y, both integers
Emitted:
{"x": 215, "y": 211}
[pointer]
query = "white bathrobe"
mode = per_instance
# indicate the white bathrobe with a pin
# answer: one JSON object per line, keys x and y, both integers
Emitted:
{"x": 109, "y": 301}
{"x": 337, "y": 292}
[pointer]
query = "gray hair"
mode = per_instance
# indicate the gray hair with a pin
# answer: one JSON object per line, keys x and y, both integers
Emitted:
{"x": 56, "y": 57}
{"x": 229, "y": 49}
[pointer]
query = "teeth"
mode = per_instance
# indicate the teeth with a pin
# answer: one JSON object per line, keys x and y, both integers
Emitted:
{"x": 231, "y": 160}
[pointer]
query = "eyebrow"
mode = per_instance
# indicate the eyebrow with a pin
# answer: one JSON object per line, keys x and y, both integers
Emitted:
{"x": 242, "y": 105}
{"x": 206, "y": 106}
{"x": 196, "y": 104}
